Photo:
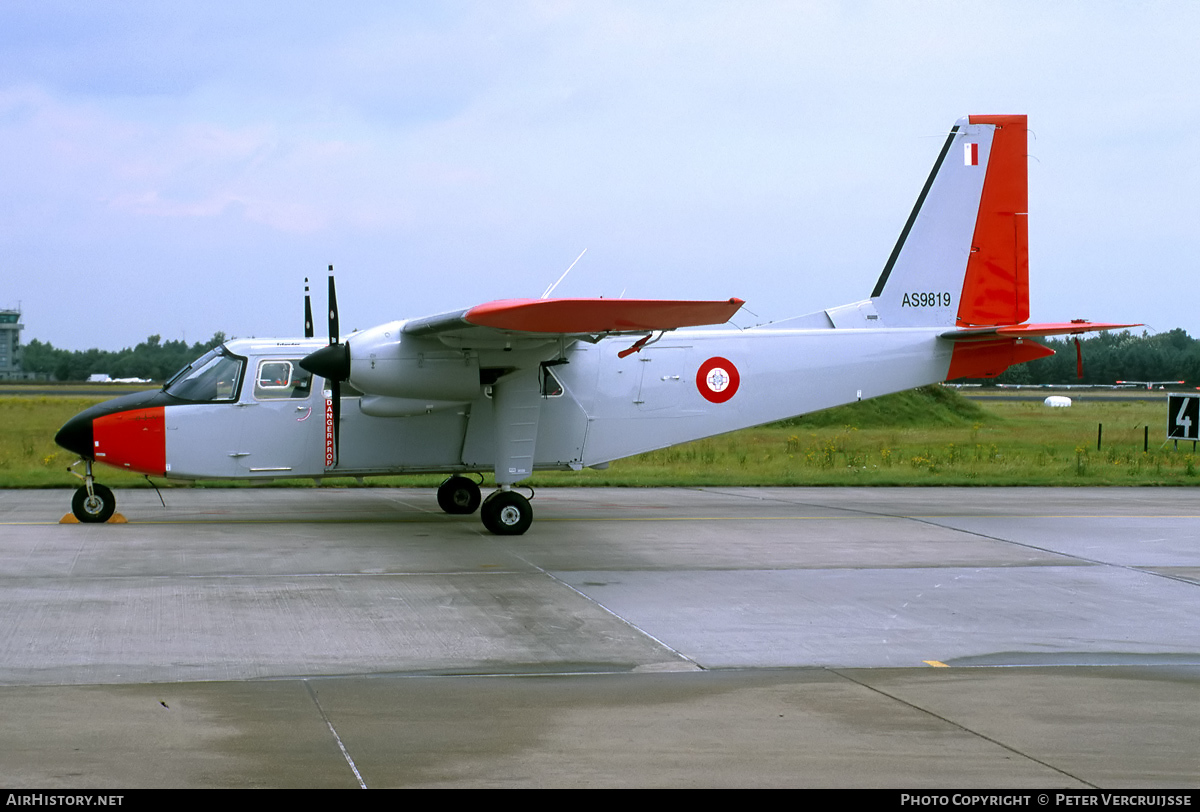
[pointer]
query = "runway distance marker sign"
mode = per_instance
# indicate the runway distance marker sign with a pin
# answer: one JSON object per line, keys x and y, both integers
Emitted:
{"x": 1183, "y": 417}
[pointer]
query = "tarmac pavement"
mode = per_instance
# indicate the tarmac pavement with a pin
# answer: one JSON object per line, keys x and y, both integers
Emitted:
{"x": 848, "y": 637}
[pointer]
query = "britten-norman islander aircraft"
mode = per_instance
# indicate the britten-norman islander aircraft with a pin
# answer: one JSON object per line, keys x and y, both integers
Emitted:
{"x": 520, "y": 385}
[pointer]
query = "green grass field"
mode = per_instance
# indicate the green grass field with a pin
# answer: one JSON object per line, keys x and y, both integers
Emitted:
{"x": 931, "y": 436}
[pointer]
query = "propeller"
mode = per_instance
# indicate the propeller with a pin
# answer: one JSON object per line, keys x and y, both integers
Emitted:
{"x": 331, "y": 362}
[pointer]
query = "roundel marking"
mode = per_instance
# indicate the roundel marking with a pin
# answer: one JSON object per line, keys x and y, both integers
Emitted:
{"x": 718, "y": 379}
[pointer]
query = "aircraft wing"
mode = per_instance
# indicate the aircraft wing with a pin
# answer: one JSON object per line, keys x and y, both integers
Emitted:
{"x": 1030, "y": 330}
{"x": 545, "y": 317}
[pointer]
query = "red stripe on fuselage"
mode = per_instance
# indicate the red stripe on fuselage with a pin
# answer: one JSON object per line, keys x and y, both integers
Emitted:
{"x": 133, "y": 440}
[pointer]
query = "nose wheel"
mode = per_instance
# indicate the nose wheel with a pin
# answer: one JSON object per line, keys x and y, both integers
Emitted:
{"x": 92, "y": 503}
{"x": 506, "y": 513}
{"x": 97, "y": 505}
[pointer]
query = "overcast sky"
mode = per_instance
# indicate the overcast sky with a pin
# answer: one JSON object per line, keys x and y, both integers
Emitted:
{"x": 179, "y": 168}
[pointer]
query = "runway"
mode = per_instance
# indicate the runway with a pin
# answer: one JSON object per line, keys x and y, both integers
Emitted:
{"x": 656, "y": 637}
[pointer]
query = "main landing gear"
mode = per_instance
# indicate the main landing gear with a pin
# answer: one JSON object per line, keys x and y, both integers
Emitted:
{"x": 505, "y": 512}
{"x": 458, "y": 495}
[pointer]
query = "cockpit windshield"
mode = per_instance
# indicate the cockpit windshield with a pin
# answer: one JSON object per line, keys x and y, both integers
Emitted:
{"x": 214, "y": 377}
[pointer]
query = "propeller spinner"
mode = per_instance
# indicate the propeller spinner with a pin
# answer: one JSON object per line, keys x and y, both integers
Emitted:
{"x": 332, "y": 362}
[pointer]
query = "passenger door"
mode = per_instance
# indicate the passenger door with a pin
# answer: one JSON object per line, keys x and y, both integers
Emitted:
{"x": 281, "y": 425}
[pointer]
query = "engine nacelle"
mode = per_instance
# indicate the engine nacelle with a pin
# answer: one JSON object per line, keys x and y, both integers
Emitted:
{"x": 384, "y": 361}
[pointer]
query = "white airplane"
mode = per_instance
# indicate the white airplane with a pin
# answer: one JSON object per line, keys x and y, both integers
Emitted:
{"x": 515, "y": 386}
{"x": 1151, "y": 384}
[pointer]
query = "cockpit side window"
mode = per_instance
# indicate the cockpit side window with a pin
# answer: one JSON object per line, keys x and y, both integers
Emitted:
{"x": 215, "y": 377}
{"x": 279, "y": 379}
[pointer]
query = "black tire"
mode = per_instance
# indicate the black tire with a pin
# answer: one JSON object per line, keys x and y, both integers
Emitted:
{"x": 458, "y": 495}
{"x": 506, "y": 513}
{"x": 99, "y": 508}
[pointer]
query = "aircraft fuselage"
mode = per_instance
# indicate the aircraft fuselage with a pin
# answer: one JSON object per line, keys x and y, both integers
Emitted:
{"x": 594, "y": 408}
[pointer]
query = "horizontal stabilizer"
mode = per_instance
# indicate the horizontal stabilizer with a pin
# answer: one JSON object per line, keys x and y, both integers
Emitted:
{"x": 1031, "y": 330}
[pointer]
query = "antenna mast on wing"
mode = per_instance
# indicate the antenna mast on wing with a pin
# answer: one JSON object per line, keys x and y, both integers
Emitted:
{"x": 550, "y": 289}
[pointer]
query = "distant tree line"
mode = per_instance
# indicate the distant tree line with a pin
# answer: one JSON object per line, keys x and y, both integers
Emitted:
{"x": 1112, "y": 357}
{"x": 1107, "y": 358}
{"x": 153, "y": 358}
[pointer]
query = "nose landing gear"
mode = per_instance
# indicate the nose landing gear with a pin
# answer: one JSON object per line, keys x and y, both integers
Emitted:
{"x": 92, "y": 502}
{"x": 97, "y": 506}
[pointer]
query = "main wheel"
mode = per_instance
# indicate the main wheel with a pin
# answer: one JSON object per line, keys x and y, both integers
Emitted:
{"x": 458, "y": 495}
{"x": 98, "y": 507}
{"x": 506, "y": 513}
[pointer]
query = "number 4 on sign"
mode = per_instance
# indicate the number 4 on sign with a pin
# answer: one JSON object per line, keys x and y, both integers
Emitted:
{"x": 1183, "y": 421}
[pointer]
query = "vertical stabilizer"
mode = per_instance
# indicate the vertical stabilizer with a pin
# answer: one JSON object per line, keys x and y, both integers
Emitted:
{"x": 963, "y": 256}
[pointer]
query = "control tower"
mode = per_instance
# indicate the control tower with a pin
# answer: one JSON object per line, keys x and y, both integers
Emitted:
{"x": 10, "y": 344}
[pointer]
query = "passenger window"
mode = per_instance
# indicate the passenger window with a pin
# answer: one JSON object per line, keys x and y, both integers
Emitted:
{"x": 278, "y": 380}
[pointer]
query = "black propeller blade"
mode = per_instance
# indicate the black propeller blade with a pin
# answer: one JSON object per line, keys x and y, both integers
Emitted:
{"x": 333, "y": 314}
{"x": 335, "y": 381}
{"x": 308, "y": 323}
